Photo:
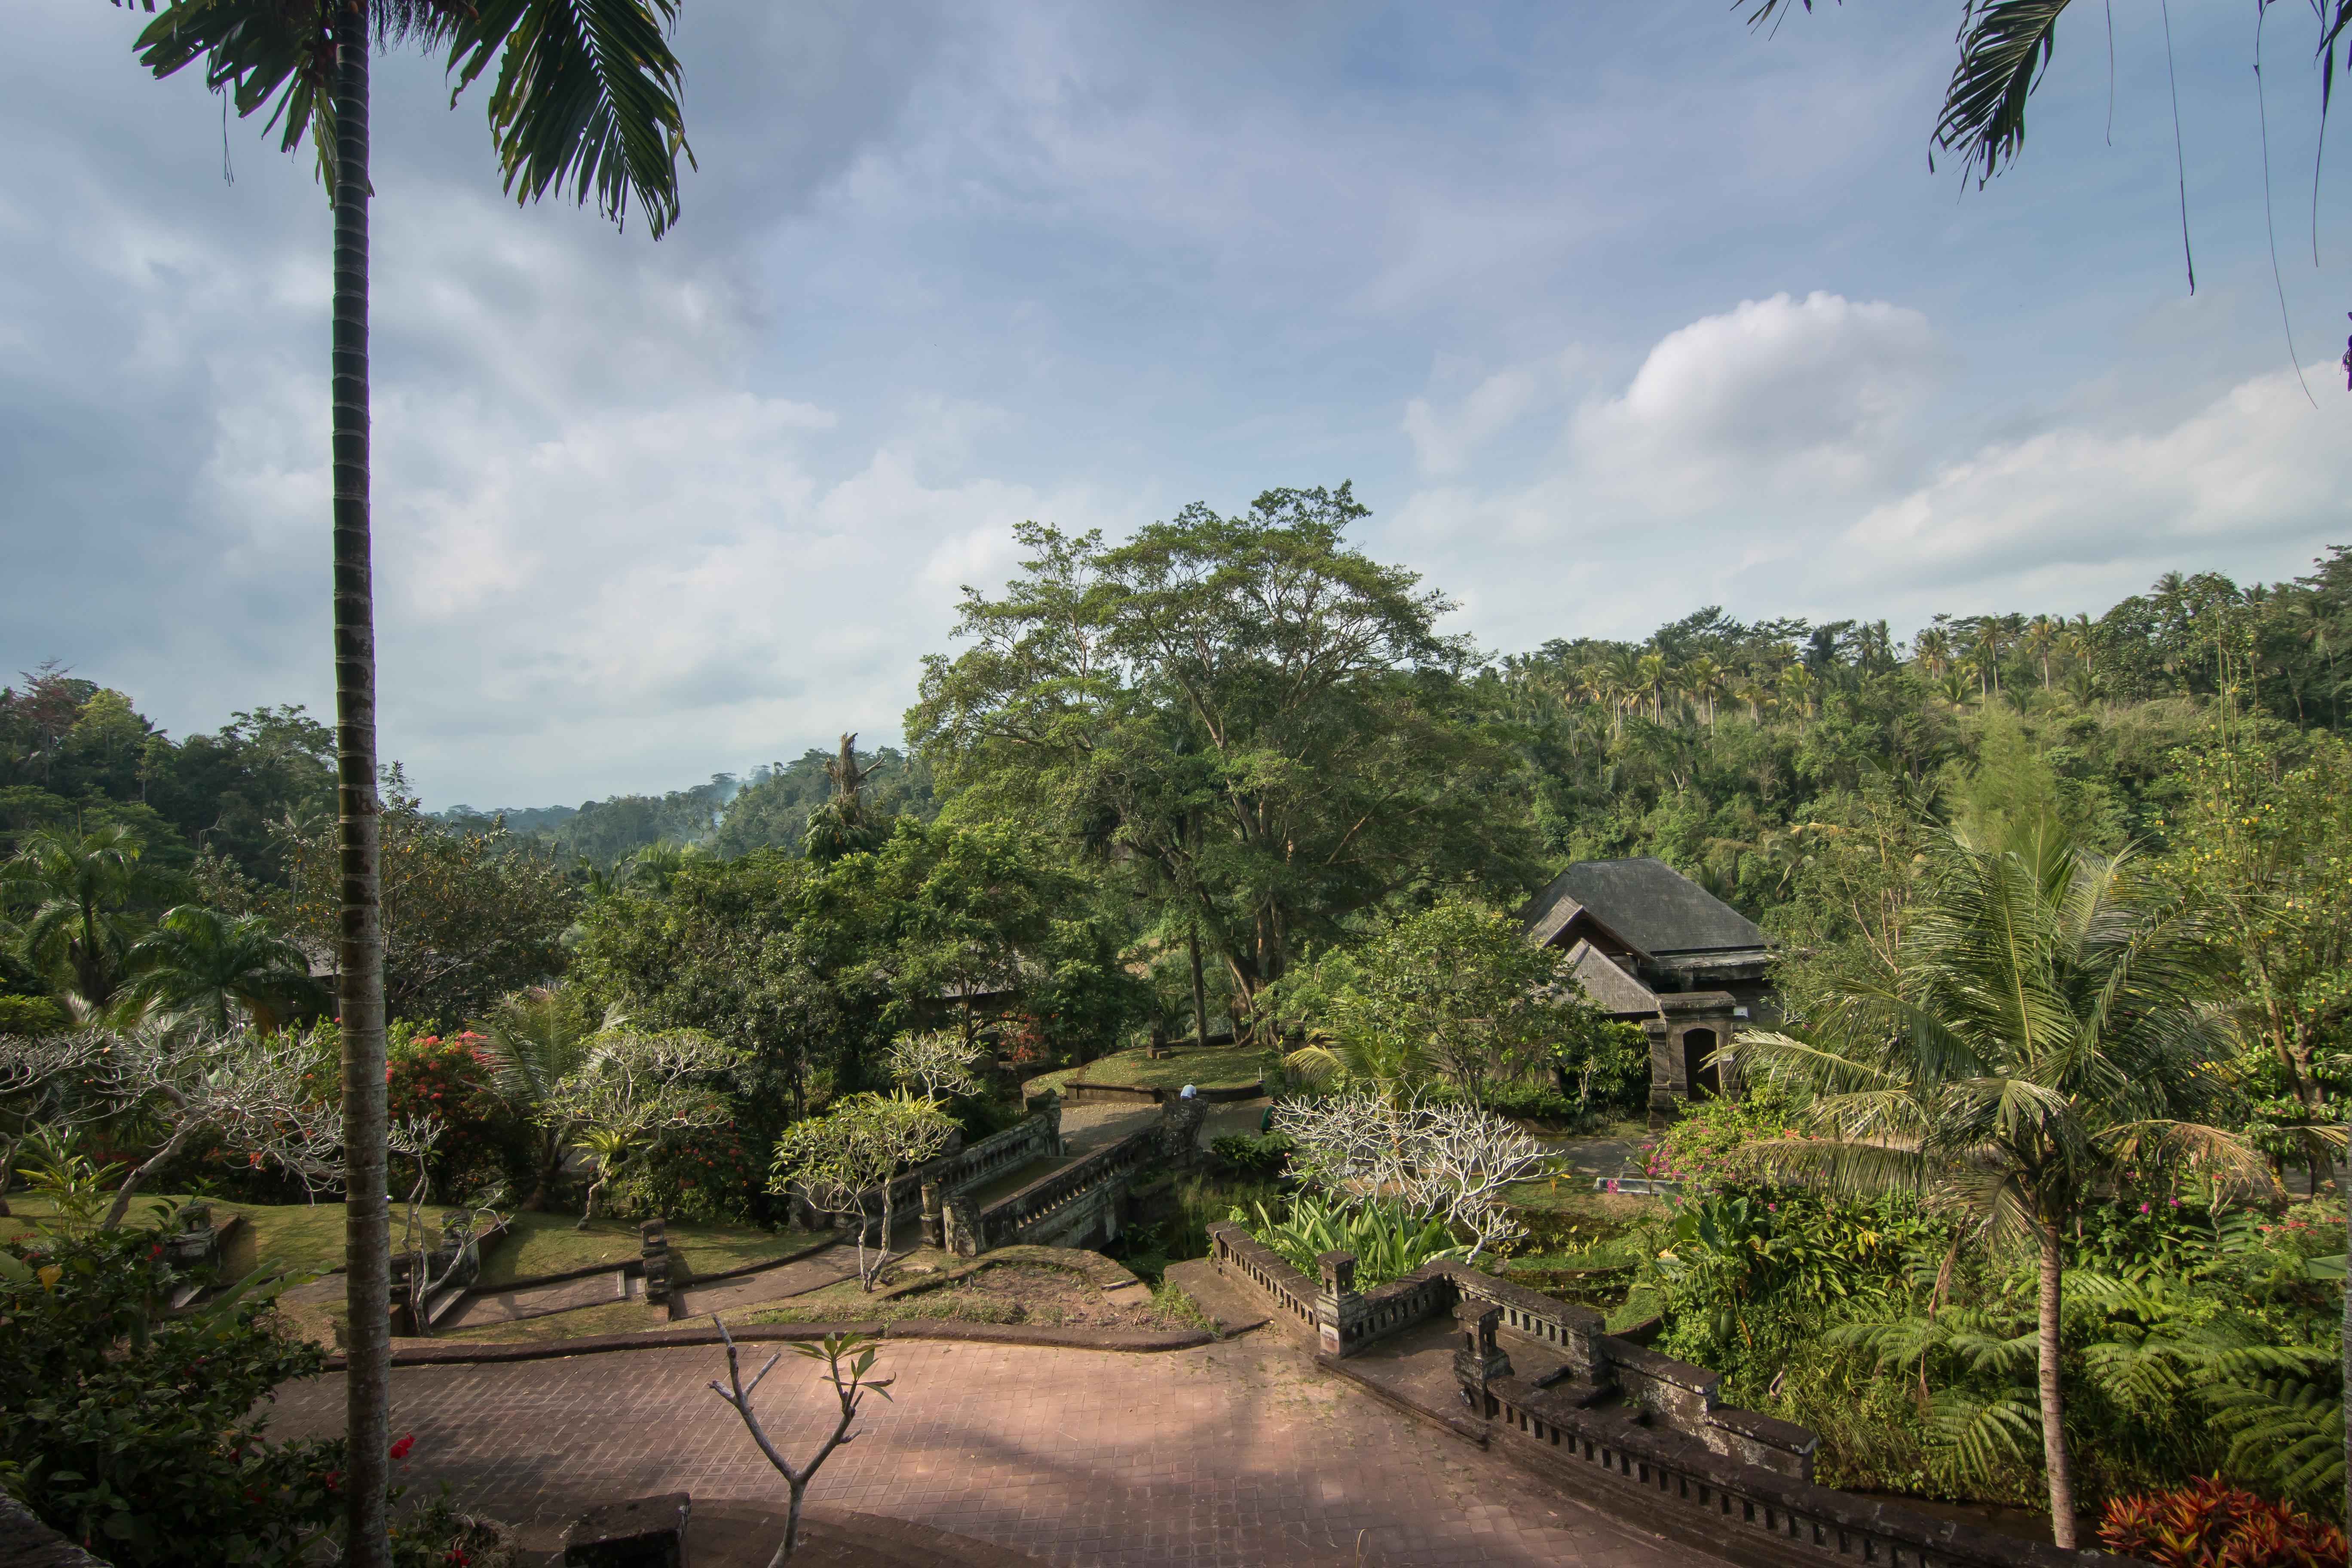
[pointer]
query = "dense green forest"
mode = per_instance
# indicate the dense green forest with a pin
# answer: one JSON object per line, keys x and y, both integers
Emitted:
{"x": 1736, "y": 751}
{"x": 1230, "y": 772}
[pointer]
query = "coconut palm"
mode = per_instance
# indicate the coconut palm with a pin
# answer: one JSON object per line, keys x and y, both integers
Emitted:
{"x": 1704, "y": 679}
{"x": 586, "y": 96}
{"x": 201, "y": 964}
{"x": 1654, "y": 675}
{"x": 1797, "y": 685}
{"x": 2039, "y": 1033}
{"x": 80, "y": 886}
{"x": 2041, "y": 640}
{"x": 1934, "y": 647}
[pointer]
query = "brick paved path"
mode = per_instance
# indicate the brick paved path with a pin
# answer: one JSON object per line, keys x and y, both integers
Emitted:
{"x": 1236, "y": 1453}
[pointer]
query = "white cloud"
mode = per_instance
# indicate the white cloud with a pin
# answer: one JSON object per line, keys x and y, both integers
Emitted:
{"x": 1784, "y": 396}
{"x": 2107, "y": 494}
{"x": 1445, "y": 439}
{"x": 2257, "y": 466}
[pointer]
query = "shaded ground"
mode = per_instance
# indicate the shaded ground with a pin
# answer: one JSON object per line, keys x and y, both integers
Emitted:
{"x": 1232, "y": 1456}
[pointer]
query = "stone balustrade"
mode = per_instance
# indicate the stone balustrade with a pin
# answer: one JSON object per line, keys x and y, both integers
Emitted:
{"x": 1038, "y": 1212}
{"x": 1035, "y": 1137}
{"x": 1618, "y": 1424}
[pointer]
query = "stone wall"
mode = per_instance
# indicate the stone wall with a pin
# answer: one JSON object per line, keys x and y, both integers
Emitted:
{"x": 1610, "y": 1420}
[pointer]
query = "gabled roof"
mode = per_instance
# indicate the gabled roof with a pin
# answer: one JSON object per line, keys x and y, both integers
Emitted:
{"x": 1609, "y": 987}
{"x": 1645, "y": 904}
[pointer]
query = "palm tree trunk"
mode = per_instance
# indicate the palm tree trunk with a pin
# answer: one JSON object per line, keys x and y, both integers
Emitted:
{"x": 367, "y": 1211}
{"x": 2053, "y": 1405}
{"x": 1200, "y": 986}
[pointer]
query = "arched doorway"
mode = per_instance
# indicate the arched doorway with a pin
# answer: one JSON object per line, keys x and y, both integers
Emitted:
{"x": 1699, "y": 1075}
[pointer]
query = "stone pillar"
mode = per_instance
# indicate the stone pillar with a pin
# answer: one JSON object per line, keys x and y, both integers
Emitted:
{"x": 1479, "y": 1360}
{"x": 1339, "y": 1309}
{"x": 653, "y": 1246}
{"x": 1667, "y": 1089}
{"x": 935, "y": 1222}
{"x": 960, "y": 1226}
{"x": 1049, "y": 1105}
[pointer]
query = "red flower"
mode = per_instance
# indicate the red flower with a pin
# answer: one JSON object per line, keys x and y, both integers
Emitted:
{"x": 407, "y": 1441}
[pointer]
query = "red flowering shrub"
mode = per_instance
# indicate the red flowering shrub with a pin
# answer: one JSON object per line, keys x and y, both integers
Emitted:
{"x": 2210, "y": 1524}
{"x": 710, "y": 1173}
{"x": 484, "y": 1141}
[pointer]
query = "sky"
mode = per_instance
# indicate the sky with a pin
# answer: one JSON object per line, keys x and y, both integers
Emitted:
{"x": 1609, "y": 313}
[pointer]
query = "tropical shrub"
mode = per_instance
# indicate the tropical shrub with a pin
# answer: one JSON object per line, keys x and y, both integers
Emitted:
{"x": 484, "y": 1143}
{"x": 713, "y": 1174}
{"x": 139, "y": 1436}
{"x": 33, "y": 1015}
{"x": 1258, "y": 1157}
{"x": 1388, "y": 1243}
{"x": 2210, "y": 1524}
{"x": 1705, "y": 1143}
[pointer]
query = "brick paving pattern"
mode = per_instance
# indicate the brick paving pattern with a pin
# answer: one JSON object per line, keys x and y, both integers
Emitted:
{"x": 1235, "y": 1454}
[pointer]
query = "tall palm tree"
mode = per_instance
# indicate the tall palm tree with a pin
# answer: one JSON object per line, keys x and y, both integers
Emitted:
{"x": 1654, "y": 675}
{"x": 2039, "y": 1033}
{"x": 2042, "y": 638}
{"x": 1797, "y": 687}
{"x": 79, "y": 885}
{"x": 1704, "y": 679}
{"x": 1986, "y": 643}
{"x": 201, "y": 964}
{"x": 586, "y": 95}
{"x": 1935, "y": 650}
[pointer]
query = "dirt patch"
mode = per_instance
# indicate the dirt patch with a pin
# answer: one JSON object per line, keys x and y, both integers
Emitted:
{"x": 1011, "y": 1292}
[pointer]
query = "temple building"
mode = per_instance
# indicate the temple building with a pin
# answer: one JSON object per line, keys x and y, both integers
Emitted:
{"x": 1656, "y": 949}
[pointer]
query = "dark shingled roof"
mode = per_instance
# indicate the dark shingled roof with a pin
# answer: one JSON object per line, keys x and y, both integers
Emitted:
{"x": 1645, "y": 901}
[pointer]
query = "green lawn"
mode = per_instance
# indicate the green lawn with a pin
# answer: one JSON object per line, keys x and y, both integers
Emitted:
{"x": 302, "y": 1236}
{"x": 1218, "y": 1067}
{"x": 551, "y": 1244}
{"x": 310, "y": 1236}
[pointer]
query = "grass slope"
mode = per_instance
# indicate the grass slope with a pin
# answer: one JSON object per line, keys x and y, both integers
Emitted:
{"x": 1218, "y": 1067}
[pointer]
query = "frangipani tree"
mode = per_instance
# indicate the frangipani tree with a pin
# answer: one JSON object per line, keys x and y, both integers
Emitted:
{"x": 56, "y": 1082}
{"x": 248, "y": 1090}
{"x": 633, "y": 1087}
{"x": 1435, "y": 1159}
{"x": 2040, "y": 1032}
{"x": 936, "y": 1061}
{"x": 863, "y": 1142}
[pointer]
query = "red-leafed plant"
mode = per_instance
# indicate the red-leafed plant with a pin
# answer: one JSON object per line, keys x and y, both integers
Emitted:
{"x": 2210, "y": 1524}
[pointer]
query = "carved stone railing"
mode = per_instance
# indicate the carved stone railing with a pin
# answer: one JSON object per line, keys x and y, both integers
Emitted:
{"x": 1034, "y": 1137}
{"x": 1676, "y": 1394}
{"x": 1731, "y": 1507}
{"x": 1622, "y": 1425}
{"x": 1236, "y": 1252}
{"x": 1014, "y": 1218}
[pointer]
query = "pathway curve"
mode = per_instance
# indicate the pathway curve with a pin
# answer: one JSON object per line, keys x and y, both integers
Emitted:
{"x": 1235, "y": 1454}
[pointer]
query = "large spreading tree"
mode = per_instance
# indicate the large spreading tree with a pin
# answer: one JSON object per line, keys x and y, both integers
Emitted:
{"x": 586, "y": 96}
{"x": 1260, "y": 726}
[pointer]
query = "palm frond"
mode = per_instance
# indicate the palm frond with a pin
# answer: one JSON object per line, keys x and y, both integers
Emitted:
{"x": 587, "y": 93}
{"x": 2004, "y": 47}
